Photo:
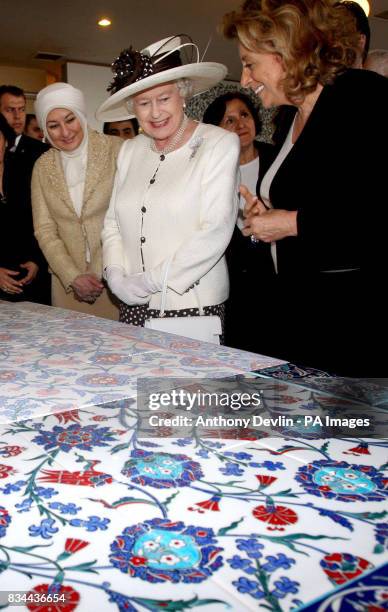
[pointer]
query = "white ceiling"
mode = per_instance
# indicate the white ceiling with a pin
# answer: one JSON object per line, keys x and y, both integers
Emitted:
{"x": 69, "y": 28}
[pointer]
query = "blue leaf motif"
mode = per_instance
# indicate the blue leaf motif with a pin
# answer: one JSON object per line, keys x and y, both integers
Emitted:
{"x": 337, "y": 518}
{"x": 93, "y": 523}
{"x": 45, "y": 530}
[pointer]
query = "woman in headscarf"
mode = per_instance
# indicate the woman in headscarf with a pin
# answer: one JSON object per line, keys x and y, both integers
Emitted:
{"x": 174, "y": 204}
{"x": 71, "y": 187}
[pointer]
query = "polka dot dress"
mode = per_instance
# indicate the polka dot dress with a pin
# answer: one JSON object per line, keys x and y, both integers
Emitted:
{"x": 136, "y": 315}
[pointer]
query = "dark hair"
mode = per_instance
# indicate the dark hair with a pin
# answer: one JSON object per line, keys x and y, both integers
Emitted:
{"x": 7, "y": 131}
{"x": 29, "y": 118}
{"x": 133, "y": 120}
{"x": 12, "y": 90}
{"x": 216, "y": 110}
{"x": 362, "y": 23}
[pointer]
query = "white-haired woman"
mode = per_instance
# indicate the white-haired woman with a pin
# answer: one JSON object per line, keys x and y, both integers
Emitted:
{"x": 71, "y": 187}
{"x": 174, "y": 203}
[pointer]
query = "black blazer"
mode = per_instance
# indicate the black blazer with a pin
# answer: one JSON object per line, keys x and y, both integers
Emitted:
{"x": 335, "y": 177}
{"x": 245, "y": 258}
{"x": 18, "y": 244}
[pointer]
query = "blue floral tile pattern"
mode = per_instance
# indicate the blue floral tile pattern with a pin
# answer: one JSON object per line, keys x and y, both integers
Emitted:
{"x": 105, "y": 519}
{"x": 161, "y": 470}
{"x": 52, "y": 360}
{"x": 163, "y": 551}
{"x": 342, "y": 481}
{"x": 5, "y": 520}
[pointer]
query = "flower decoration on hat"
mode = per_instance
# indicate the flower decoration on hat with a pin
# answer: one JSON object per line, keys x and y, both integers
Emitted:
{"x": 161, "y": 62}
{"x": 130, "y": 66}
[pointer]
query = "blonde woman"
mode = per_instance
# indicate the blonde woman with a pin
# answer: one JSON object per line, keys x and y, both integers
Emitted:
{"x": 319, "y": 214}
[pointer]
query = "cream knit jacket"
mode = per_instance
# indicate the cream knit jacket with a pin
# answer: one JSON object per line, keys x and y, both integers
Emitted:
{"x": 62, "y": 235}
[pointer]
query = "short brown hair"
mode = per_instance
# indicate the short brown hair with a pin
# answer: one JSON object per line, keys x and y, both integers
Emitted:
{"x": 315, "y": 39}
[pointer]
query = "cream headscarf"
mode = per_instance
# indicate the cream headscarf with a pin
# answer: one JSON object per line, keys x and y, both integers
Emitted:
{"x": 64, "y": 95}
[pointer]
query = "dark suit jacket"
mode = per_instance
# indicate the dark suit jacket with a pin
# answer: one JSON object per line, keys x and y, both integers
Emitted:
{"x": 18, "y": 244}
{"x": 334, "y": 176}
{"x": 243, "y": 256}
{"x": 248, "y": 264}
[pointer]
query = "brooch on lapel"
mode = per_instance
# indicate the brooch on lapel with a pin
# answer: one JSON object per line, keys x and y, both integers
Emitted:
{"x": 195, "y": 144}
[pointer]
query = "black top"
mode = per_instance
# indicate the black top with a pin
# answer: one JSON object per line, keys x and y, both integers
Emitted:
{"x": 18, "y": 244}
{"x": 244, "y": 256}
{"x": 334, "y": 176}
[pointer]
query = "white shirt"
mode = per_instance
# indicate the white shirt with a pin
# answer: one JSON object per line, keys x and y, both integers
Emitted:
{"x": 74, "y": 165}
{"x": 17, "y": 140}
{"x": 249, "y": 175}
{"x": 268, "y": 178}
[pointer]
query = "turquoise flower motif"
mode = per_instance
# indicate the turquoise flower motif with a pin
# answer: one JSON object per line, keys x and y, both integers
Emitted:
{"x": 342, "y": 481}
{"x": 159, "y": 550}
{"x": 161, "y": 470}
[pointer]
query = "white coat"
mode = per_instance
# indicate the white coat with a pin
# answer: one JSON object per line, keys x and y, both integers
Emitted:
{"x": 188, "y": 212}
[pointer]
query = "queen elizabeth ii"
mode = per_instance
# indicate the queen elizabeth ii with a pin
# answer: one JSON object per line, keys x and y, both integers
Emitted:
{"x": 174, "y": 202}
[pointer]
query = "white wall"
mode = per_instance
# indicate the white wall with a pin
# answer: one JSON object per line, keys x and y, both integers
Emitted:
{"x": 92, "y": 81}
{"x": 379, "y": 39}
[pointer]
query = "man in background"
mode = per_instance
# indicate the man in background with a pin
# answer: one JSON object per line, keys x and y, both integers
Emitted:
{"x": 362, "y": 25}
{"x": 129, "y": 128}
{"x": 18, "y": 164}
{"x": 32, "y": 128}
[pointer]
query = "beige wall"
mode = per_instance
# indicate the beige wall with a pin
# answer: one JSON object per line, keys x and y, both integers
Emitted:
{"x": 92, "y": 81}
{"x": 29, "y": 79}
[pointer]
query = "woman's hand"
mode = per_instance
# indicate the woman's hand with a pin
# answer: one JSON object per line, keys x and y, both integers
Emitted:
{"x": 266, "y": 224}
{"x": 87, "y": 287}
{"x": 9, "y": 284}
{"x": 132, "y": 289}
{"x": 32, "y": 269}
{"x": 252, "y": 203}
{"x": 271, "y": 225}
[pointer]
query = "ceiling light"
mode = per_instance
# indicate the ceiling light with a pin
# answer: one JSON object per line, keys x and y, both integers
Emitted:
{"x": 104, "y": 23}
{"x": 364, "y": 5}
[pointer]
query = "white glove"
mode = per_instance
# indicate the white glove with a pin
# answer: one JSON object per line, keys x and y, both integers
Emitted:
{"x": 140, "y": 284}
{"x": 118, "y": 283}
{"x": 151, "y": 282}
{"x": 114, "y": 277}
{"x": 132, "y": 289}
